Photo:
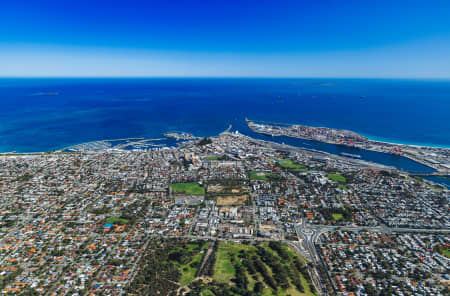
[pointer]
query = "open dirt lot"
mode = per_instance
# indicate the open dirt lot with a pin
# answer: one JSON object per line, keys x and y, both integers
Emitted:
{"x": 232, "y": 200}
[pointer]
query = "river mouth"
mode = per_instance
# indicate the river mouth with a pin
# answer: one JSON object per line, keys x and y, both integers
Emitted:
{"x": 441, "y": 180}
{"x": 399, "y": 162}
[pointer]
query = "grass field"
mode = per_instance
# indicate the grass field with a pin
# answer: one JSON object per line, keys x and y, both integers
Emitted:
{"x": 188, "y": 272}
{"x": 189, "y": 269}
{"x": 207, "y": 292}
{"x": 188, "y": 188}
{"x": 225, "y": 271}
{"x": 446, "y": 253}
{"x": 259, "y": 176}
{"x": 343, "y": 187}
{"x": 116, "y": 220}
{"x": 213, "y": 157}
{"x": 289, "y": 164}
{"x": 337, "y": 178}
{"x": 337, "y": 216}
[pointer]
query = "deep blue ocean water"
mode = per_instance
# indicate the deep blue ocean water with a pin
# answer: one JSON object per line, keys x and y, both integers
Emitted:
{"x": 49, "y": 114}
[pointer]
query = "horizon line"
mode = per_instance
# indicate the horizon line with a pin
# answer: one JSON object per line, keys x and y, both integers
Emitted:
{"x": 222, "y": 77}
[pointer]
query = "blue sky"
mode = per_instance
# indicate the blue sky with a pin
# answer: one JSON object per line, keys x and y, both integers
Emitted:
{"x": 279, "y": 38}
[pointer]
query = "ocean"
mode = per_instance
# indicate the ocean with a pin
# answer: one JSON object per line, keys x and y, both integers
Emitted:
{"x": 49, "y": 114}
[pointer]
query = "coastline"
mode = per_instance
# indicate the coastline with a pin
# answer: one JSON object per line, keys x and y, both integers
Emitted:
{"x": 370, "y": 143}
{"x": 368, "y": 136}
{"x": 396, "y": 142}
{"x": 429, "y": 177}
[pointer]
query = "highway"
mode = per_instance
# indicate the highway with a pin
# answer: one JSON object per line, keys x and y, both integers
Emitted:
{"x": 309, "y": 235}
{"x": 380, "y": 229}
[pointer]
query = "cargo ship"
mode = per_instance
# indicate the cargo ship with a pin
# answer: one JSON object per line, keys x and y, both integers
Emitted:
{"x": 357, "y": 156}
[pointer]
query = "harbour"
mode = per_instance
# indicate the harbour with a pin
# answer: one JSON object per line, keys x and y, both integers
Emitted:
{"x": 353, "y": 145}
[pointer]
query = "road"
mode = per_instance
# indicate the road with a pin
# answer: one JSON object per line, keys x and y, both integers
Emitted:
{"x": 309, "y": 235}
{"x": 379, "y": 229}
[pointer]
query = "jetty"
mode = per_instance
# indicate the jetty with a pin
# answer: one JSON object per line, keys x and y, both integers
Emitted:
{"x": 227, "y": 130}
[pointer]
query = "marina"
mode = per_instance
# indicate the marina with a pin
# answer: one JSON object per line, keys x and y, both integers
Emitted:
{"x": 180, "y": 136}
{"x": 120, "y": 144}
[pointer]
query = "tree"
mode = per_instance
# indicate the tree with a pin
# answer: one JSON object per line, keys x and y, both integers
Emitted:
{"x": 258, "y": 287}
{"x": 204, "y": 141}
